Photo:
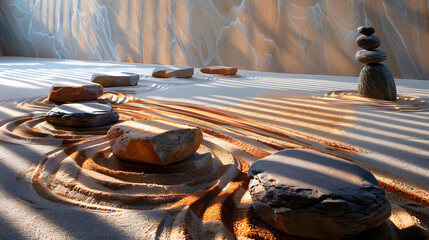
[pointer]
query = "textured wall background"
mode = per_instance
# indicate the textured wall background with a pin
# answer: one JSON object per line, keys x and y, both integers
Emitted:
{"x": 304, "y": 36}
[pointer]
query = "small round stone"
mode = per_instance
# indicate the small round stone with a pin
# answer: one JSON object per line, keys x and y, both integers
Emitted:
{"x": 368, "y": 42}
{"x": 366, "y": 30}
{"x": 374, "y": 56}
{"x": 83, "y": 114}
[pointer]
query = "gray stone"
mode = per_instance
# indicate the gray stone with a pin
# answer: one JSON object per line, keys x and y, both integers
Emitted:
{"x": 376, "y": 81}
{"x": 368, "y": 42}
{"x": 115, "y": 79}
{"x": 366, "y": 30}
{"x": 312, "y": 195}
{"x": 374, "y": 56}
{"x": 83, "y": 114}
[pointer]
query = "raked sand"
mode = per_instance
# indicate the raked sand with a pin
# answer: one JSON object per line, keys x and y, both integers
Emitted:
{"x": 58, "y": 182}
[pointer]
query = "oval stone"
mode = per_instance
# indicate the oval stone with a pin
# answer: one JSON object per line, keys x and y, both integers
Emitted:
{"x": 366, "y": 30}
{"x": 368, "y": 42}
{"x": 83, "y": 114}
{"x": 312, "y": 195}
{"x": 374, "y": 56}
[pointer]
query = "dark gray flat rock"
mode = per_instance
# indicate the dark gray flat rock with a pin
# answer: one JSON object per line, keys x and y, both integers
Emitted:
{"x": 308, "y": 194}
{"x": 376, "y": 81}
{"x": 374, "y": 56}
{"x": 368, "y": 42}
{"x": 366, "y": 30}
{"x": 84, "y": 114}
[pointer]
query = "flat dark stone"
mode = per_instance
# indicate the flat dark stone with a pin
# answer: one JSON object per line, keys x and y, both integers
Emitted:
{"x": 84, "y": 114}
{"x": 368, "y": 42}
{"x": 376, "y": 81}
{"x": 374, "y": 56}
{"x": 312, "y": 195}
{"x": 366, "y": 30}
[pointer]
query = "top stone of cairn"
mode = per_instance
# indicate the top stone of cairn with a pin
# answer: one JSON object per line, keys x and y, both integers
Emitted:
{"x": 366, "y": 30}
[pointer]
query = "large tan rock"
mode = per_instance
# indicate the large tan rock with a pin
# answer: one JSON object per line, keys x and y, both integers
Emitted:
{"x": 168, "y": 71}
{"x": 63, "y": 92}
{"x": 219, "y": 70}
{"x": 114, "y": 79}
{"x": 155, "y": 142}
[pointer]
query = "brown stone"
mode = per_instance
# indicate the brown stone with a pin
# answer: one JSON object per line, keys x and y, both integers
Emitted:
{"x": 219, "y": 70}
{"x": 167, "y": 71}
{"x": 114, "y": 79}
{"x": 155, "y": 142}
{"x": 61, "y": 92}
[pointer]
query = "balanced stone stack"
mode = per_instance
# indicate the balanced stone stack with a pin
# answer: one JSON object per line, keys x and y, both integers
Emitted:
{"x": 375, "y": 79}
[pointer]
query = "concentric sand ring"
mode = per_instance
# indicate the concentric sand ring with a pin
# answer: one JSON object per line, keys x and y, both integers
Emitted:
{"x": 89, "y": 174}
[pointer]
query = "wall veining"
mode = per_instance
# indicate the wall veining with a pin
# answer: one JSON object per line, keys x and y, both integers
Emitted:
{"x": 301, "y": 36}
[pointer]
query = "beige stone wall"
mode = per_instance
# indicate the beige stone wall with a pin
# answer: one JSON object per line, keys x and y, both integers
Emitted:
{"x": 303, "y": 36}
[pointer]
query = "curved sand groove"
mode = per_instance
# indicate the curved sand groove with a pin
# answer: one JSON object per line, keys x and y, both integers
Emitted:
{"x": 88, "y": 174}
{"x": 33, "y": 128}
{"x": 29, "y": 105}
{"x": 206, "y": 195}
{"x": 403, "y": 102}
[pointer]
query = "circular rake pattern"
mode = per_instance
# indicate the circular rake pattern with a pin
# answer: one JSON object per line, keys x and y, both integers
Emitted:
{"x": 207, "y": 191}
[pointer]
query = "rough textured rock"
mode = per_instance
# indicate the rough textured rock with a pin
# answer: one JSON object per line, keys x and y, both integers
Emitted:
{"x": 114, "y": 79}
{"x": 376, "y": 81}
{"x": 219, "y": 70}
{"x": 167, "y": 71}
{"x": 84, "y": 114}
{"x": 308, "y": 194}
{"x": 366, "y": 30}
{"x": 374, "y": 56}
{"x": 155, "y": 142}
{"x": 61, "y": 93}
{"x": 368, "y": 42}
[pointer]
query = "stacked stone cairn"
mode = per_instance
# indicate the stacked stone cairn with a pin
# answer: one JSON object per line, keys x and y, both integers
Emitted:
{"x": 375, "y": 79}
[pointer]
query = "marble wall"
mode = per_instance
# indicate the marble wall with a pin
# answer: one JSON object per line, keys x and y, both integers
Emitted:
{"x": 301, "y": 36}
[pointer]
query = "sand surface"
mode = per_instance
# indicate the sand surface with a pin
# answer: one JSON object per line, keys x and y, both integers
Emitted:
{"x": 58, "y": 182}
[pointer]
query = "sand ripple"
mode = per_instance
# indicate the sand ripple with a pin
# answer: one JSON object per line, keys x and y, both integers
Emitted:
{"x": 89, "y": 174}
{"x": 206, "y": 195}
